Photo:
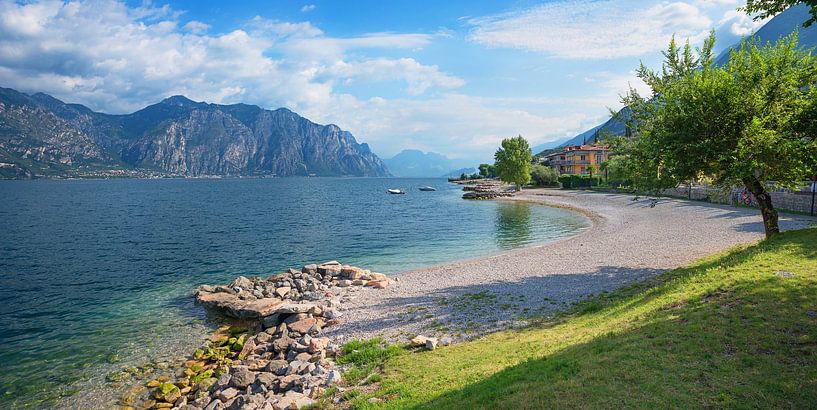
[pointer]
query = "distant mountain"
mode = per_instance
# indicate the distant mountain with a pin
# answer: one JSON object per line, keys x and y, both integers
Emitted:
{"x": 43, "y": 136}
{"x": 548, "y": 145}
{"x": 781, "y": 25}
{"x": 415, "y": 163}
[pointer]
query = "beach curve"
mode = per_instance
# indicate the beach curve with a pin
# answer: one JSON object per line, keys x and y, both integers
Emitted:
{"x": 630, "y": 240}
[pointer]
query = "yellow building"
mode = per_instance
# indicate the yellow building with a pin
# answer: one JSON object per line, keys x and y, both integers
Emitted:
{"x": 577, "y": 159}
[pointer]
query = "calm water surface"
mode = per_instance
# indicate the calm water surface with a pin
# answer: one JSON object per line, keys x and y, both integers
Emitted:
{"x": 97, "y": 275}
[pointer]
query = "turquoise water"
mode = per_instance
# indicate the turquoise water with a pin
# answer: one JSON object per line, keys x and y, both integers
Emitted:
{"x": 97, "y": 275}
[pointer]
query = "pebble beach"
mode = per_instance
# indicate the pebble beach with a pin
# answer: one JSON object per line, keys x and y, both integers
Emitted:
{"x": 630, "y": 240}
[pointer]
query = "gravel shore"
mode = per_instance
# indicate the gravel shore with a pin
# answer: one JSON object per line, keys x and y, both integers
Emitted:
{"x": 629, "y": 241}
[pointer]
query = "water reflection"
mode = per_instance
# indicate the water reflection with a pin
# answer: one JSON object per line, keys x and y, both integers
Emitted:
{"x": 513, "y": 225}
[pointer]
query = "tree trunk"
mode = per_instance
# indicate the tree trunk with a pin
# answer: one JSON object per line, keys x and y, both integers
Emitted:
{"x": 764, "y": 201}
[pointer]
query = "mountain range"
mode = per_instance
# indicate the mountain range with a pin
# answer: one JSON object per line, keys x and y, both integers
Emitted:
{"x": 41, "y": 136}
{"x": 416, "y": 163}
{"x": 781, "y": 25}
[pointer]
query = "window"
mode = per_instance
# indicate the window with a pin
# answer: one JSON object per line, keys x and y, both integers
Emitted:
{"x": 583, "y": 158}
{"x": 599, "y": 157}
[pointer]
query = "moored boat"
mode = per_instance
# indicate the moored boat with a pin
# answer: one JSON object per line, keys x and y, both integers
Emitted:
{"x": 396, "y": 191}
{"x": 427, "y": 188}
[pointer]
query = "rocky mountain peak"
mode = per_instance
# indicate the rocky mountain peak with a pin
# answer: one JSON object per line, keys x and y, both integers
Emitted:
{"x": 178, "y": 136}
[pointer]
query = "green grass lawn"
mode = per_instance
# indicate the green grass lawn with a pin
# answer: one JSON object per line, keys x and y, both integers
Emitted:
{"x": 734, "y": 330}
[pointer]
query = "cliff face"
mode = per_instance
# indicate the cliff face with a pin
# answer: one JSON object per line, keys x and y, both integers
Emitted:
{"x": 44, "y": 136}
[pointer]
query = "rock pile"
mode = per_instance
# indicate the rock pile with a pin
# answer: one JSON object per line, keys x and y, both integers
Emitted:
{"x": 256, "y": 298}
{"x": 488, "y": 189}
{"x": 285, "y": 364}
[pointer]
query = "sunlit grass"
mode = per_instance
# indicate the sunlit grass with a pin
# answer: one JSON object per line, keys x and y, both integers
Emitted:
{"x": 736, "y": 329}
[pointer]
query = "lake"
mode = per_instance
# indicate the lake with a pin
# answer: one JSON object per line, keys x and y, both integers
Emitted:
{"x": 96, "y": 275}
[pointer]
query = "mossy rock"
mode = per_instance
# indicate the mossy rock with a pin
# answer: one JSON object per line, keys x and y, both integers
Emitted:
{"x": 202, "y": 376}
{"x": 236, "y": 330}
{"x": 198, "y": 354}
{"x": 217, "y": 353}
{"x": 153, "y": 383}
{"x": 219, "y": 340}
{"x": 166, "y": 391}
{"x": 239, "y": 343}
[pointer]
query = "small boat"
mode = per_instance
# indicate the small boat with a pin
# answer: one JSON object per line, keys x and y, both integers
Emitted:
{"x": 427, "y": 188}
{"x": 396, "y": 191}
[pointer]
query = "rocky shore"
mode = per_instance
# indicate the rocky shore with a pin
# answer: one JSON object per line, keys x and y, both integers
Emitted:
{"x": 273, "y": 356}
{"x": 487, "y": 189}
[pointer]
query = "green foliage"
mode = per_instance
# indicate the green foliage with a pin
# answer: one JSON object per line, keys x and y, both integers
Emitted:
{"x": 750, "y": 122}
{"x": 513, "y": 161}
{"x": 544, "y": 176}
{"x": 465, "y": 176}
{"x": 569, "y": 181}
{"x": 487, "y": 170}
{"x": 679, "y": 340}
{"x": 617, "y": 172}
{"x": 768, "y": 8}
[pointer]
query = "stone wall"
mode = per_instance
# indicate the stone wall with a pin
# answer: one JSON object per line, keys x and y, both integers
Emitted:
{"x": 783, "y": 200}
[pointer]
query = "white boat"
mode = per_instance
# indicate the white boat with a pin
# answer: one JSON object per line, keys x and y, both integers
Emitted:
{"x": 427, "y": 188}
{"x": 396, "y": 191}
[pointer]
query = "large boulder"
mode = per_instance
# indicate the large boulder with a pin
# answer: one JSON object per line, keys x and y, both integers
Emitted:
{"x": 302, "y": 326}
{"x": 292, "y": 308}
{"x": 231, "y": 305}
{"x": 242, "y": 377}
{"x": 243, "y": 283}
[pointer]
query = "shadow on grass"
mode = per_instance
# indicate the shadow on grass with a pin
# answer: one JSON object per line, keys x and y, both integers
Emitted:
{"x": 730, "y": 331}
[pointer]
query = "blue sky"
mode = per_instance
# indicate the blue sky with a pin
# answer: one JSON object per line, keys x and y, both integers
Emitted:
{"x": 453, "y": 77}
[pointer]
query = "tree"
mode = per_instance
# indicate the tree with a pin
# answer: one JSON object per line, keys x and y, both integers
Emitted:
{"x": 591, "y": 169}
{"x": 746, "y": 123}
{"x": 768, "y": 8}
{"x": 543, "y": 175}
{"x": 605, "y": 167}
{"x": 513, "y": 161}
{"x": 487, "y": 170}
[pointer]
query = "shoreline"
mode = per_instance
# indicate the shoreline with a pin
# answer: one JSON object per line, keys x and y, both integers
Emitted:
{"x": 472, "y": 302}
{"x": 629, "y": 240}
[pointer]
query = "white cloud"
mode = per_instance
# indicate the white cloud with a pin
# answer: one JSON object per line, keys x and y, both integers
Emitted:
{"x": 307, "y": 8}
{"x": 618, "y": 83}
{"x": 117, "y": 58}
{"x": 461, "y": 126}
{"x": 419, "y": 77}
{"x": 740, "y": 24}
{"x": 597, "y": 29}
{"x": 196, "y": 27}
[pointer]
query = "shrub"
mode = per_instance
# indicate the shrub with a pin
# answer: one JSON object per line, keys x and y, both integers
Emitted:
{"x": 544, "y": 176}
{"x": 579, "y": 181}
